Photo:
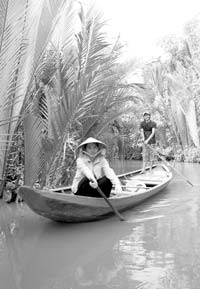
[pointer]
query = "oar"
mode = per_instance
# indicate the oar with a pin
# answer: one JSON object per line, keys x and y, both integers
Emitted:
{"x": 155, "y": 152}
{"x": 109, "y": 203}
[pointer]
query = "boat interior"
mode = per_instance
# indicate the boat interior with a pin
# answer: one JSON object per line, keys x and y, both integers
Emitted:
{"x": 134, "y": 182}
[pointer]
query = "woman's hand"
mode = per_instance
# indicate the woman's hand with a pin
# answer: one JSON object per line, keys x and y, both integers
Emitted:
{"x": 118, "y": 190}
{"x": 93, "y": 183}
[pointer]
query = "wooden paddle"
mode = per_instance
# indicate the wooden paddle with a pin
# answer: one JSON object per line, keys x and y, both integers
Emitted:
{"x": 109, "y": 203}
{"x": 155, "y": 152}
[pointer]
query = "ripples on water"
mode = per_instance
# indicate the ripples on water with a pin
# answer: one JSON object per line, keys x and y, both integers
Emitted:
{"x": 158, "y": 247}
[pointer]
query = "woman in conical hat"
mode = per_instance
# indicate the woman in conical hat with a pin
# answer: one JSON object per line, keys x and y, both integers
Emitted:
{"x": 93, "y": 170}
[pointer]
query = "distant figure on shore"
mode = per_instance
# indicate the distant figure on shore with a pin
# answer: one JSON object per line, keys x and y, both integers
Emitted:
{"x": 147, "y": 129}
{"x": 93, "y": 171}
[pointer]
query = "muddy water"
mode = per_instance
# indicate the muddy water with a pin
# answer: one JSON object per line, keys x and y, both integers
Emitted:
{"x": 158, "y": 247}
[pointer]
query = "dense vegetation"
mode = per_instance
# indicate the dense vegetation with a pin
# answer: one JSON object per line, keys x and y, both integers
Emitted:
{"x": 62, "y": 79}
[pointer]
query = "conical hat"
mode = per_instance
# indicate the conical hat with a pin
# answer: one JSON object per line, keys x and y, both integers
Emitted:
{"x": 91, "y": 140}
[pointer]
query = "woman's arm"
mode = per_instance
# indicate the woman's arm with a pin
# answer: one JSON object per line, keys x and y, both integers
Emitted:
{"x": 110, "y": 174}
{"x": 87, "y": 172}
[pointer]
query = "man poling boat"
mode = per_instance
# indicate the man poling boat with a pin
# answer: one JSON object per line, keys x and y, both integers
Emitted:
{"x": 147, "y": 129}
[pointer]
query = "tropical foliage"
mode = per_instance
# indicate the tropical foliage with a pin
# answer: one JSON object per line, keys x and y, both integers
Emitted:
{"x": 60, "y": 81}
{"x": 171, "y": 93}
{"x": 170, "y": 90}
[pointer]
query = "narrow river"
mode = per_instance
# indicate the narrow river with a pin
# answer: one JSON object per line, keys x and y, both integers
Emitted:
{"x": 158, "y": 247}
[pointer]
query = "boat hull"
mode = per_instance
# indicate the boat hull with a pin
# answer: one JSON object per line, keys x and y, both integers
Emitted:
{"x": 65, "y": 207}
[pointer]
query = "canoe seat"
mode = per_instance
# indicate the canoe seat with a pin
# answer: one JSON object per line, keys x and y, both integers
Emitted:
{"x": 134, "y": 185}
{"x": 125, "y": 193}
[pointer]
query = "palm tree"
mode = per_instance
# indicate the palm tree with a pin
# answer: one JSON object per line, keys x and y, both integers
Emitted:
{"x": 24, "y": 36}
{"x": 60, "y": 82}
{"x": 183, "y": 82}
{"x": 183, "y": 87}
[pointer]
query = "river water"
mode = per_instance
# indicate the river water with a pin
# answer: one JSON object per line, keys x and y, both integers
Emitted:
{"x": 157, "y": 247}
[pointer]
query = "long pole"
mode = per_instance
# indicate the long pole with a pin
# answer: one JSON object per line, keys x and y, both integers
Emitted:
{"x": 109, "y": 203}
{"x": 155, "y": 152}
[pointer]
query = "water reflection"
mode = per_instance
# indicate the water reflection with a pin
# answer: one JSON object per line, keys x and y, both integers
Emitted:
{"x": 83, "y": 256}
{"x": 156, "y": 248}
{"x": 163, "y": 252}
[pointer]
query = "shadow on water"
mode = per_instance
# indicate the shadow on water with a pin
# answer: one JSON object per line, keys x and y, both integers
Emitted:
{"x": 157, "y": 248}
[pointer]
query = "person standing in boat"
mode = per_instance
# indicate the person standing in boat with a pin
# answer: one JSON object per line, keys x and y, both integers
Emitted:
{"x": 93, "y": 171}
{"x": 147, "y": 129}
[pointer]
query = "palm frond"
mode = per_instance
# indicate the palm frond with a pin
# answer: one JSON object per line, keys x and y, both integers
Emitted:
{"x": 33, "y": 132}
{"x": 24, "y": 37}
{"x": 184, "y": 110}
{"x": 80, "y": 85}
{"x": 51, "y": 99}
{"x": 12, "y": 50}
{"x": 3, "y": 16}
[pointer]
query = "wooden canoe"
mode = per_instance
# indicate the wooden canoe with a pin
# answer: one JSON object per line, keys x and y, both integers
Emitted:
{"x": 62, "y": 206}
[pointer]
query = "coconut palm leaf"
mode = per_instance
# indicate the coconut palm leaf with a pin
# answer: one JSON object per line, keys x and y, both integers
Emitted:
{"x": 23, "y": 45}
{"x": 12, "y": 49}
{"x": 53, "y": 98}
{"x": 31, "y": 133}
{"x": 180, "y": 121}
{"x": 81, "y": 84}
{"x": 191, "y": 118}
{"x": 83, "y": 92}
{"x": 183, "y": 94}
{"x": 3, "y": 15}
